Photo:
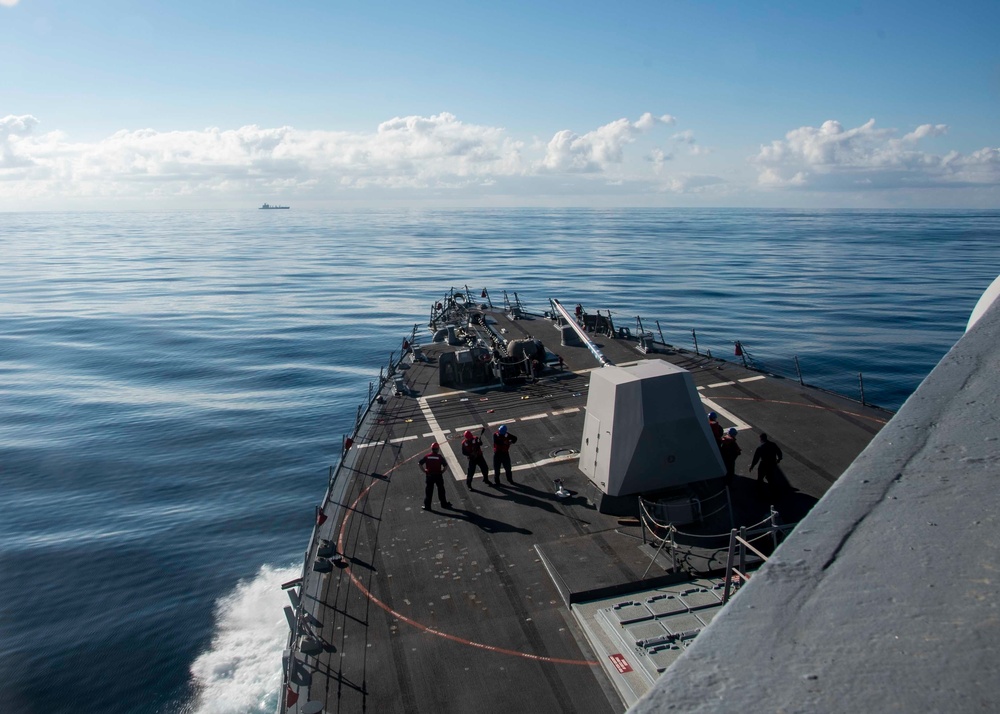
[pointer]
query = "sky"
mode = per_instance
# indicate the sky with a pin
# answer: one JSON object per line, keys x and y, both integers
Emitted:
{"x": 160, "y": 104}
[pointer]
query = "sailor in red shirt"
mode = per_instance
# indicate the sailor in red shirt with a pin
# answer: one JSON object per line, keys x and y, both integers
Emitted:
{"x": 434, "y": 467}
{"x": 713, "y": 422}
{"x": 501, "y": 452}
{"x": 472, "y": 447}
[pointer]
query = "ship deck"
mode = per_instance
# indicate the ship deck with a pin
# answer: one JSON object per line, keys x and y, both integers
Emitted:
{"x": 478, "y": 606}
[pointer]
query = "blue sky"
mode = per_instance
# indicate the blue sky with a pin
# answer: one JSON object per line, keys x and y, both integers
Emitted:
{"x": 141, "y": 103}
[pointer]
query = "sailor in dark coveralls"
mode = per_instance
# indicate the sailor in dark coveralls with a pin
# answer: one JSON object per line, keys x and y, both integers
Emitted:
{"x": 472, "y": 447}
{"x": 769, "y": 456}
{"x": 434, "y": 467}
{"x": 730, "y": 451}
{"x": 501, "y": 452}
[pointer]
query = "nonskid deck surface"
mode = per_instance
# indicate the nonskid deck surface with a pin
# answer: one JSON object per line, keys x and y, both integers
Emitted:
{"x": 455, "y": 609}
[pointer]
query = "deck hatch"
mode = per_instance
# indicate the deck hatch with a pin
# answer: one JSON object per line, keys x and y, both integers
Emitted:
{"x": 698, "y": 599}
{"x": 661, "y": 605}
{"x": 683, "y": 625}
{"x": 663, "y": 656}
{"x": 646, "y": 634}
{"x": 628, "y": 612}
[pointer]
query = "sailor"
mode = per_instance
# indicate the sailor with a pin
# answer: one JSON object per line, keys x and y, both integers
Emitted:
{"x": 502, "y": 441}
{"x": 713, "y": 422}
{"x": 730, "y": 451}
{"x": 434, "y": 466}
{"x": 472, "y": 447}
{"x": 769, "y": 455}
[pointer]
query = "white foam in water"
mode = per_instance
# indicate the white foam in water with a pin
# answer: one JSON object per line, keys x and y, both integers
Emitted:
{"x": 241, "y": 671}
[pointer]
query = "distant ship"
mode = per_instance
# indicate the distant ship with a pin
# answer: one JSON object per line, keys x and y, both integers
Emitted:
{"x": 269, "y": 206}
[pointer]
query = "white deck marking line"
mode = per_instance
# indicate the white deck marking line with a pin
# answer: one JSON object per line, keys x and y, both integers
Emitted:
{"x": 738, "y": 381}
{"x": 462, "y": 429}
{"x": 497, "y": 423}
{"x": 402, "y": 438}
{"x": 484, "y": 388}
{"x": 737, "y": 422}
{"x": 439, "y": 437}
{"x": 546, "y": 462}
{"x": 449, "y": 453}
{"x": 571, "y": 410}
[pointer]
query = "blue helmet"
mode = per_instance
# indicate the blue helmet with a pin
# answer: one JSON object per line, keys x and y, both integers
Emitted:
{"x": 502, "y": 430}
{"x": 713, "y": 415}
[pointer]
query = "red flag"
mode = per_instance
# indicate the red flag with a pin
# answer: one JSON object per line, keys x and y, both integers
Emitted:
{"x": 320, "y": 516}
{"x": 348, "y": 443}
{"x": 739, "y": 350}
{"x": 290, "y": 697}
{"x": 484, "y": 293}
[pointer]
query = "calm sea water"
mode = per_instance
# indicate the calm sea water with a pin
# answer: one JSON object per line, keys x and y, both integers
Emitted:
{"x": 174, "y": 387}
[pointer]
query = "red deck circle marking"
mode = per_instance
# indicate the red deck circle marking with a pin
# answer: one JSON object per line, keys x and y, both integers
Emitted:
{"x": 431, "y": 630}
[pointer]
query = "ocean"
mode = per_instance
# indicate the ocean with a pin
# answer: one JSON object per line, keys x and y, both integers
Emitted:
{"x": 175, "y": 386}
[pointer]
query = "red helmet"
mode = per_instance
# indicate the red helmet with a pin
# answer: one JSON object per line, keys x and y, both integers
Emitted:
{"x": 434, "y": 446}
{"x": 467, "y": 434}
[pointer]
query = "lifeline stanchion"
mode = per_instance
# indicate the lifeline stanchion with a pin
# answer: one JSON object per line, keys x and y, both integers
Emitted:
{"x": 738, "y": 352}
{"x": 729, "y": 566}
{"x": 743, "y": 551}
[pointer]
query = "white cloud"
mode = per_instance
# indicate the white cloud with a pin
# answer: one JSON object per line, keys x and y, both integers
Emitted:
{"x": 12, "y": 130}
{"x": 833, "y": 158}
{"x": 442, "y": 158}
{"x": 595, "y": 151}
{"x": 925, "y": 130}
{"x": 658, "y": 157}
{"x": 437, "y": 152}
{"x": 692, "y": 184}
{"x": 9, "y": 3}
{"x": 406, "y": 151}
{"x": 686, "y": 138}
